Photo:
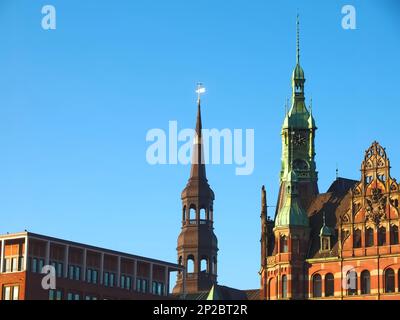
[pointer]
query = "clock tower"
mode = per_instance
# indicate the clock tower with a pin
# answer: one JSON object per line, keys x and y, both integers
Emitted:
{"x": 298, "y": 148}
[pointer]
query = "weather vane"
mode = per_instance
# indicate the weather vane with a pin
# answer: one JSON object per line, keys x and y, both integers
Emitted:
{"x": 200, "y": 90}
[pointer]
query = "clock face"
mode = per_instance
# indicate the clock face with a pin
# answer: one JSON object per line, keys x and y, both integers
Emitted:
{"x": 299, "y": 139}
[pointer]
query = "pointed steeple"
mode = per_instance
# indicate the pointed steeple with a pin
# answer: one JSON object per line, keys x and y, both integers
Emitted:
{"x": 198, "y": 169}
{"x": 298, "y": 40}
{"x": 197, "y": 241}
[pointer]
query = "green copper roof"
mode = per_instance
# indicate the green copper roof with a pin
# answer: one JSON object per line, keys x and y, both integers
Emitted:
{"x": 214, "y": 294}
{"x": 325, "y": 230}
{"x": 291, "y": 213}
{"x": 298, "y": 73}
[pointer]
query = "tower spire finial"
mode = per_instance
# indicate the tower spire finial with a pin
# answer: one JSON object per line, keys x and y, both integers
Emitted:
{"x": 298, "y": 39}
{"x": 200, "y": 90}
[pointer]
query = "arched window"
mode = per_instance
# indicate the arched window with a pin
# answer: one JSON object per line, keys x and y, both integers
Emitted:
{"x": 365, "y": 282}
{"x": 329, "y": 285}
{"x": 204, "y": 265}
{"x": 394, "y": 234}
{"x": 317, "y": 286}
{"x": 184, "y": 213}
{"x": 284, "y": 244}
{"x": 190, "y": 264}
{"x": 357, "y": 238}
{"x": 351, "y": 283}
{"x": 284, "y": 286}
{"x": 202, "y": 214}
{"x": 381, "y": 236}
{"x": 180, "y": 263}
{"x": 269, "y": 289}
{"x": 389, "y": 280}
{"x": 192, "y": 213}
{"x": 369, "y": 237}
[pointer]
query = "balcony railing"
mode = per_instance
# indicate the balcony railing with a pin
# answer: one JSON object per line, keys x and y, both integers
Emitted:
{"x": 195, "y": 222}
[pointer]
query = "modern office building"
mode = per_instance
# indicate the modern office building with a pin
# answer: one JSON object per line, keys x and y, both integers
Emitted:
{"x": 82, "y": 272}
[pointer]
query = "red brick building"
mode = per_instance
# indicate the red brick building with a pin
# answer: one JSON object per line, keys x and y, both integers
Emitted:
{"x": 83, "y": 272}
{"x": 342, "y": 244}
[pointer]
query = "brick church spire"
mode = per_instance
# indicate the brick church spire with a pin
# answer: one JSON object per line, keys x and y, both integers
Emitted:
{"x": 197, "y": 244}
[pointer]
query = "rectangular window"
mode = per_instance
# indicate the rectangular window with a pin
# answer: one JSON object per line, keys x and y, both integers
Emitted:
{"x": 20, "y": 263}
{"x": 70, "y": 296}
{"x": 141, "y": 285}
{"x": 59, "y": 295}
{"x": 71, "y": 272}
{"x": 89, "y": 275}
{"x": 34, "y": 265}
{"x": 106, "y": 279}
{"x": 154, "y": 288}
{"x": 138, "y": 285}
{"x": 7, "y": 293}
{"x": 76, "y": 296}
{"x": 41, "y": 265}
{"x": 16, "y": 293}
{"x": 11, "y": 293}
{"x": 51, "y": 294}
{"x": 128, "y": 283}
{"x": 94, "y": 276}
{"x": 160, "y": 289}
{"x": 122, "y": 284}
{"x": 77, "y": 273}
{"x": 8, "y": 265}
{"x": 14, "y": 264}
{"x": 112, "y": 279}
{"x": 60, "y": 270}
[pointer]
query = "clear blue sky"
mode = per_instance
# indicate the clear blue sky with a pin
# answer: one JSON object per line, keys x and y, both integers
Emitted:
{"x": 76, "y": 104}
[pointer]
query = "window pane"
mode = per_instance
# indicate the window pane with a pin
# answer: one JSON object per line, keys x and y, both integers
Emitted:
{"x": 317, "y": 286}
{"x": 41, "y": 264}
{"x": 112, "y": 276}
{"x": 89, "y": 275}
{"x": 389, "y": 281}
{"x": 284, "y": 287}
{"x": 16, "y": 293}
{"x": 8, "y": 265}
{"x": 34, "y": 265}
{"x": 59, "y": 270}
{"x": 7, "y": 293}
{"x": 94, "y": 276}
{"x": 59, "y": 295}
{"x": 51, "y": 294}
{"x": 77, "y": 273}
{"x": 329, "y": 285}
